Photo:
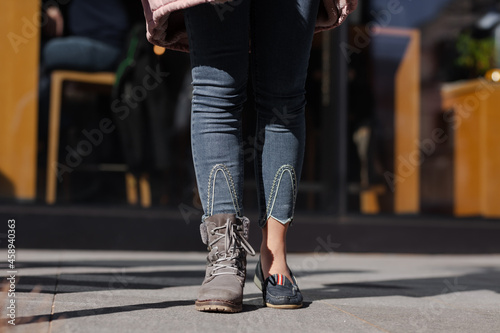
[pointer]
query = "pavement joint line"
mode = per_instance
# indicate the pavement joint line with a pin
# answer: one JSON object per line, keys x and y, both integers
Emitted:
{"x": 353, "y": 315}
{"x": 52, "y": 311}
{"x": 52, "y": 308}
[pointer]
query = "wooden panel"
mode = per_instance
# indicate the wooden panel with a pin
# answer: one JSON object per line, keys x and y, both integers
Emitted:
{"x": 490, "y": 144}
{"x": 466, "y": 192}
{"x": 477, "y": 152}
{"x": 407, "y": 124}
{"x": 407, "y": 127}
{"x": 467, "y": 160}
{"x": 19, "y": 23}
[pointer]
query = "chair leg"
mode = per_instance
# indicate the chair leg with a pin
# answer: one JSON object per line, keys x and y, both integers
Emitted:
{"x": 131, "y": 185}
{"x": 53, "y": 139}
{"x": 145, "y": 190}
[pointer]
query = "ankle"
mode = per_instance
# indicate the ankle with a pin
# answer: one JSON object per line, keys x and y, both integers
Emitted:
{"x": 273, "y": 249}
{"x": 273, "y": 261}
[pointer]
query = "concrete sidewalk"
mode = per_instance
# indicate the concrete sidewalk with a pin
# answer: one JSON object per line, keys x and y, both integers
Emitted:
{"x": 103, "y": 291}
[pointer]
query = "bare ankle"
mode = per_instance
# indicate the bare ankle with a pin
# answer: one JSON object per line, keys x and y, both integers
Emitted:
{"x": 273, "y": 249}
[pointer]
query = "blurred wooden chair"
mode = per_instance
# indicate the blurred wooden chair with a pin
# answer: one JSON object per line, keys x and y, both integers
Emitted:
{"x": 134, "y": 186}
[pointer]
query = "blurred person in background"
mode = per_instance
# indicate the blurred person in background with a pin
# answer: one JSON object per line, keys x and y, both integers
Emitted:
{"x": 91, "y": 37}
{"x": 85, "y": 35}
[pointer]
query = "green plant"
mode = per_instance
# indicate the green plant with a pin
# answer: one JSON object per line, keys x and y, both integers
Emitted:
{"x": 476, "y": 55}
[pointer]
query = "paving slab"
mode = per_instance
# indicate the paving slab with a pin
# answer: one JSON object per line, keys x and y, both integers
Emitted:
{"x": 118, "y": 291}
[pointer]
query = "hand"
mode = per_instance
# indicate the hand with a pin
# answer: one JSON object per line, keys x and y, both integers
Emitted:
{"x": 55, "y": 22}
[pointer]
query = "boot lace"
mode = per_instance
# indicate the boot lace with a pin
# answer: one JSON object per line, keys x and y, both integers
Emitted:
{"x": 234, "y": 244}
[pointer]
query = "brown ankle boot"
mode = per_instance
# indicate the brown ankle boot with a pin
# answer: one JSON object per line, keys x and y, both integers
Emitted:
{"x": 226, "y": 237}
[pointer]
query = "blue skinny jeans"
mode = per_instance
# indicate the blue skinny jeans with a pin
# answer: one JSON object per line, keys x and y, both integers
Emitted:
{"x": 280, "y": 34}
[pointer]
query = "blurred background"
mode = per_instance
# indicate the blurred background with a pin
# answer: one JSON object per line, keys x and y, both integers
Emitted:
{"x": 403, "y": 134}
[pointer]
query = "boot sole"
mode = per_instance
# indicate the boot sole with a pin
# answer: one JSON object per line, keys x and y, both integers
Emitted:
{"x": 217, "y": 306}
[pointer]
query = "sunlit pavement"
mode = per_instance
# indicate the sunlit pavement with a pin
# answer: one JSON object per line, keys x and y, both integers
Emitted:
{"x": 116, "y": 291}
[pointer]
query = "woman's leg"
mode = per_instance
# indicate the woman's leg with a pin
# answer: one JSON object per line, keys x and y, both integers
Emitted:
{"x": 282, "y": 32}
{"x": 219, "y": 59}
{"x": 219, "y": 56}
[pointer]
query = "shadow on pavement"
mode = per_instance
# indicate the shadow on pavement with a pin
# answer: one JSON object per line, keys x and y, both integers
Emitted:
{"x": 101, "y": 311}
{"x": 87, "y": 282}
{"x": 486, "y": 279}
{"x": 107, "y": 263}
